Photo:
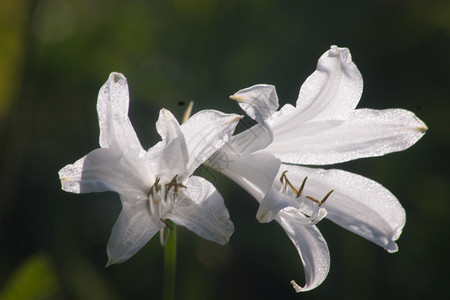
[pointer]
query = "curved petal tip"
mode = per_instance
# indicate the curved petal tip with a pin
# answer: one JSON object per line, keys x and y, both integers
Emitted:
{"x": 344, "y": 52}
{"x": 117, "y": 77}
{"x": 297, "y": 288}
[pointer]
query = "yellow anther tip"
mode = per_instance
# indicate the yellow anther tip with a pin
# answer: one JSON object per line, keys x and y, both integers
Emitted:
{"x": 422, "y": 129}
{"x": 237, "y": 98}
{"x": 296, "y": 286}
{"x": 237, "y": 118}
{"x": 261, "y": 217}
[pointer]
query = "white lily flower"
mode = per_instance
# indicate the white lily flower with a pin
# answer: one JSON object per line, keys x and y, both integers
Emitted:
{"x": 157, "y": 184}
{"x": 323, "y": 128}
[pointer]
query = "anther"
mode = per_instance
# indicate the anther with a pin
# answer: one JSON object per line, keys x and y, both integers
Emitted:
{"x": 326, "y": 197}
{"x": 175, "y": 186}
{"x": 302, "y": 187}
{"x": 156, "y": 186}
{"x": 287, "y": 183}
{"x": 283, "y": 176}
{"x": 321, "y": 201}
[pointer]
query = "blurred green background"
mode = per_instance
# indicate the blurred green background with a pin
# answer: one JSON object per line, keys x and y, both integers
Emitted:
{"x": 55, "y": 55}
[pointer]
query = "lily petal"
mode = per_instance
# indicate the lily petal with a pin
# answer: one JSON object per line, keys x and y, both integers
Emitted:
{"x": 271, "y": 204}
{"x": 167, "y": 126}
{"x": 132, "y": 230}
{"x": 366, "y": 133}
{"x": 253, "y": 139}
{"x": 206, "y": 132}
{"x": 203, "y": 211}
{"x": 333, "y": 90}
{"x": 357, "y": 203}
{"x": 259, "y": 101}
{"x": 254, "y": 172}
{"x": 172, "y": 149}
{"x": 116, "y": 130}
{"x": 311, "y": 247}
{"x": 102, "y": 170}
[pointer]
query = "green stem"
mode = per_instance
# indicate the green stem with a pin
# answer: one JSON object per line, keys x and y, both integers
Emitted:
{"x": 170, "y": 261}
{"x": 170, "y": 249}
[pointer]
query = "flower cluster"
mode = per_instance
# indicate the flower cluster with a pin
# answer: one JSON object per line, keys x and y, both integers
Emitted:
{"x": 269, "y": 160}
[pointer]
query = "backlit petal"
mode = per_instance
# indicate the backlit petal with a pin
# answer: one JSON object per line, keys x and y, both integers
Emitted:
{"x": 174, "y": 154}
{"x": 104, "y": 170}
{"x": 253, "y": 139}
{"x": 366, "y": 133}
{"x": 357, "y": 203}
{"x": 333, "y": 90}
{"x": 205, "y": 133}
{"x": 116, "y": 130}
{"x": 132, "y": 230}
{"x": 259, "y": 101}
{"x": 254, "y": 172}
{"x": 203, "y": 211}
{"x": 272, "y": 203}
{"x": 311, "y": 247}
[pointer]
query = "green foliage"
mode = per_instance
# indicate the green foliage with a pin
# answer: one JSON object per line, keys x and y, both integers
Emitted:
{"x": 34, "y": 279}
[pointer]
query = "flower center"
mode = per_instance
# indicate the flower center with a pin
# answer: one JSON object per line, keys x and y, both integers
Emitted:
{"x": 162, "y": 199}
{"x": 311, "y": 208}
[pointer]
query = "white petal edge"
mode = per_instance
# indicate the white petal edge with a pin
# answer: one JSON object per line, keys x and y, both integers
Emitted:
{"x": 259, "y": 101}
{"x": 203, "y": 211}
{"x": 206, "y": 132}
{"x": 167, "y": 126}
{"x": 170, "y": 156}
{"x": 366, "y": 133}
{"x": 103, "y": 170}
{"x": 312, "y": 249}
{"x": 132, "y": 230}
{"x": 116, "y": 130}
{"x": 357, "y": 203}
{"x": 333, "y": 90}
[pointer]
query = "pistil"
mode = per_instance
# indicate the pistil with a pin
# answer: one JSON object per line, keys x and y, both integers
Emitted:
{"x": 161, "y": 202}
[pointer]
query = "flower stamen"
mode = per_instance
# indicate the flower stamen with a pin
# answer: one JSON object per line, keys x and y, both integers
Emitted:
{"x": 284, "y": 180}
{"x": 162, "y": 201}
{"x": 156, "y": 186}
{"x": 321, "y": 201}
{"x": 288, "y": 183}
{"x": 175, "y": 186}
{"x": 301, "y": 187}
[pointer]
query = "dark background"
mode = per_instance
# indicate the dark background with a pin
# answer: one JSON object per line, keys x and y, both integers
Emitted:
{"x": 56, "y": 54}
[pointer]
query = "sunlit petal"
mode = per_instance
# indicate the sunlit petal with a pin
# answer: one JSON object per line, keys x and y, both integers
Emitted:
{"x": 311, "y": 247}
{"x": 254, "y": 172}
{"x": 132, "y": 230}
{"x": 205, "y": 133}
{"x": 253, "y": 139}
{"x": 203, "y": 211}
{"x": 366, "y": 133}
{"x": 116, "y": 130}
{"x": 102, "y": 170}
{"x": 333, "y": 90}
{"x": 258, "y": 101}
{"x": 271, "y": 204}
{"x": 357, "y": 203}
{"x": 173, "y": 149}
